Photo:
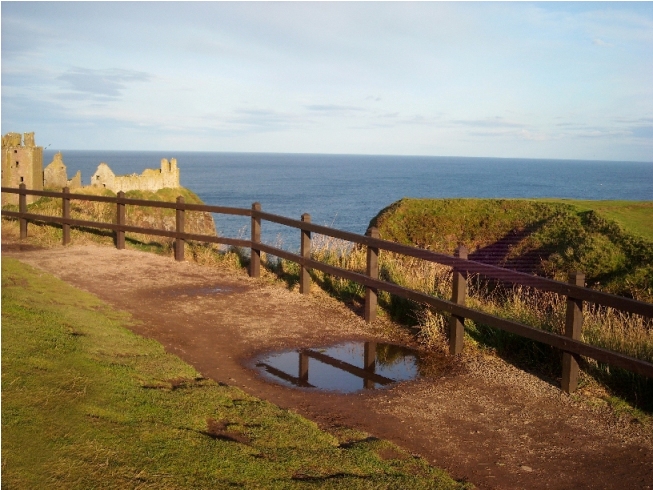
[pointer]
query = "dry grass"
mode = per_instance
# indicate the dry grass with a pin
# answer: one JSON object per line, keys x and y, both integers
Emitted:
{"x": 603, "y": 327}
{"x": 618, "y": 331}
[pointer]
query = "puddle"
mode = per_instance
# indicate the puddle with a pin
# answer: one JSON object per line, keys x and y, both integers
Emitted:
{"x": 343, "y": 368}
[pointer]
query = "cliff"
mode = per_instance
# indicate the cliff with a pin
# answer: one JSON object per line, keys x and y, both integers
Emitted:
{"x": 195, "y": 222}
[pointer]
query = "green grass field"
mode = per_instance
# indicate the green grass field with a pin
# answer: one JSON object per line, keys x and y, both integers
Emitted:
{"x": 88, "y": 404}
{"x": 634, "y": 217}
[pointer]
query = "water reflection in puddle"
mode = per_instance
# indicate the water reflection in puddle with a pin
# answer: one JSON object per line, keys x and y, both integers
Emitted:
{"x": 344, "y": 368}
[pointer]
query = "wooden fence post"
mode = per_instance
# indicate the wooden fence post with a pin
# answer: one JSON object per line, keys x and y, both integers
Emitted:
{"x": 255, "y": 252}
{"x": 22, "y": 208}
{"x": 120, "y": 221}
{"x": 458, "y": 295}
{"x": 65, "y": 212}
{"x": 304, "y": 276}
{"x": 573, "y": 326}
{"x": 179, "y": 242}
{"x": 373, "y": 272}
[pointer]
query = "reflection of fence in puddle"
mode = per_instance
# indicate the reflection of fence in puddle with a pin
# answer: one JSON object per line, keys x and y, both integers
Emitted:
{"x": 367, "y": 376}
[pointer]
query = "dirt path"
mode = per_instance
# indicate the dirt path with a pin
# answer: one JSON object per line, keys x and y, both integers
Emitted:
{"x": 483, "y": 421}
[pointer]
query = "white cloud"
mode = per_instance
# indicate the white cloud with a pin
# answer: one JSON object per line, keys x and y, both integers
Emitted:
{"x": 602, "y": 43}
{"x": 102, "y": 83}
{"x": 495, "y": 122}
{"x": 334, "y": 108}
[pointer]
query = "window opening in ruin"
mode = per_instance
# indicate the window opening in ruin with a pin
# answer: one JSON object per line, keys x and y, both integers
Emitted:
{"x": 17, "y": 163}
{"x": 15, "y": 151}
{"x": 21, "y": 179}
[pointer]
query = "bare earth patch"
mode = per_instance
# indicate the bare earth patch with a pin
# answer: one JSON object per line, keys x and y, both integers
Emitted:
{"x": 481, "y": 419}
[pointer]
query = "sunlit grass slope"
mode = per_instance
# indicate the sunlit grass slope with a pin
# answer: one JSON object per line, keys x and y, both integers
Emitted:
{"x": 142, "y": 216}
{"x": 634, "y": 217}
{"x": 610, "y": 241}
{"x": 87, "y": 404}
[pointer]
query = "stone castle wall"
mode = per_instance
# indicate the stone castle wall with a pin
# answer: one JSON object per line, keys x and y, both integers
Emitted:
{"x": 55, "y": 175}
{"x": 150, "y": 180}
{"x": 22, "y": 163}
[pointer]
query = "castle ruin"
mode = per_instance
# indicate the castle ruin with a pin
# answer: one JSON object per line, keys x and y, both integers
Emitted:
{"x": 150, "y": 180}
{"x": 55, "y": 175}
{"x": 22, "y": 163}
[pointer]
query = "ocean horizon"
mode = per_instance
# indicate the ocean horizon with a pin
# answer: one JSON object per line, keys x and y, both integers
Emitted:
{"x": 347, "y": 191}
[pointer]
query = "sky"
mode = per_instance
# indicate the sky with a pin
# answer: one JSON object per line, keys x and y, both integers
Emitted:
{"x": 522, "y": 80}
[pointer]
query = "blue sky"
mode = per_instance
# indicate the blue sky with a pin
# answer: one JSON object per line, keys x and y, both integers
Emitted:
{"x": 530, "y": 80}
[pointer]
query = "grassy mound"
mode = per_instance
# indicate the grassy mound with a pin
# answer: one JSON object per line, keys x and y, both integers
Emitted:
{"x": 610, "y": 241}
{"x": 88, "y": 404}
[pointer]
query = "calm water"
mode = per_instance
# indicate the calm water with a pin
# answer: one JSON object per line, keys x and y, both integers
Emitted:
{"x": 345, "y": 368}
{"x": 346, "y": 191}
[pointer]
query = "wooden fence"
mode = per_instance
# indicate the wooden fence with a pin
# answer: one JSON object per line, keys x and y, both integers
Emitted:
{"x": 569, "y": 343}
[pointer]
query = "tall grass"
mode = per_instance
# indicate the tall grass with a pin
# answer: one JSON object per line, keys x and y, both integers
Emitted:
{"x": 141, "y": 216}
{"x": 603, "y": 327}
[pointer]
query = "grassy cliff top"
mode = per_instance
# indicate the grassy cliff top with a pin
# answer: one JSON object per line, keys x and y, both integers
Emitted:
{"x": 634, "y": 217}
{"x": 610, "y": 241}
{"x": 167, "y": 195}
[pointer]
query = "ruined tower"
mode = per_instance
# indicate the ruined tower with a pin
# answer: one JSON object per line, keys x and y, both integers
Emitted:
{"x": 55, "y": 175}
{"x": 22, "y": 163}
{"x": 169, "y": 173}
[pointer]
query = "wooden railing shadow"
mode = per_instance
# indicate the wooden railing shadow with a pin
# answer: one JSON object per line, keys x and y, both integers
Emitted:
{"x": 499, "y": 253}
{"x": 95, "y": 232}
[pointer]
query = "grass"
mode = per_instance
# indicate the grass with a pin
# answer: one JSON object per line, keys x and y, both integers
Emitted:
{"x": 603, "y": 239}
{"x": 632, "y": 216}
{"x": 146, "y": 217}
{"x": 88, "y": 404}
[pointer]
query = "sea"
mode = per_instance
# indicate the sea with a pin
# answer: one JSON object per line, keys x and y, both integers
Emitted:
{"x": 347, "y": 191}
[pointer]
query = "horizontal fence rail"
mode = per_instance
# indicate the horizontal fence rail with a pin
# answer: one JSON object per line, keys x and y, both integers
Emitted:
{"x": 472, "y": 267}
{"x": 570, "y": 343}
